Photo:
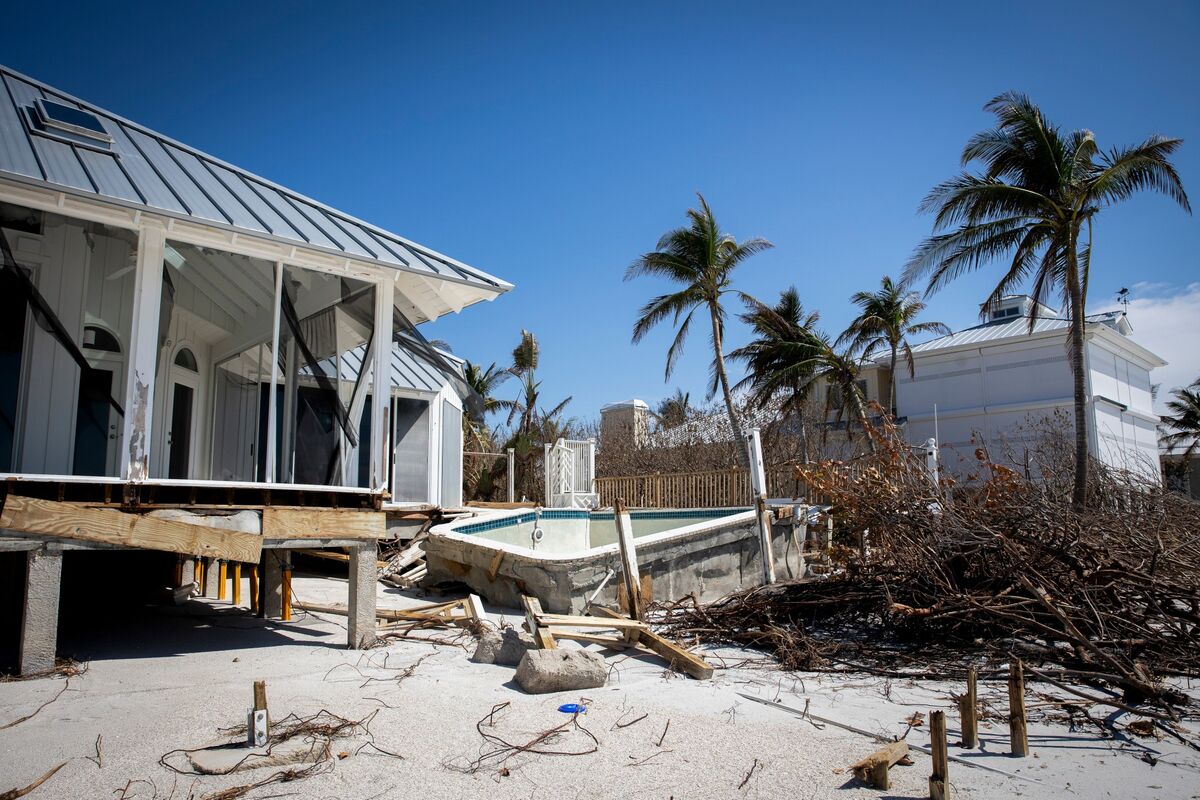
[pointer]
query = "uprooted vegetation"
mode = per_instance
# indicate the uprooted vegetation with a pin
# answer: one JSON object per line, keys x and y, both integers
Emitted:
{"x": 931, "y": 577}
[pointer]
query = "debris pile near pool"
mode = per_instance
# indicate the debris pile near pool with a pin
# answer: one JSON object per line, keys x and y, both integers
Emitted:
{"x": 931, "y": 577}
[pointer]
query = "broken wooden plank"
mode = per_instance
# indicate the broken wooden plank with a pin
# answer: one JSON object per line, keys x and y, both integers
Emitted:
{"x": 629, "y": 564}
{"x": 66, "y": 521}
{"x": 533, "y": 611}
{"x": 874, "y": 768}
{"x": 494, "y": 567}
{"x": 390, "y": 614}
{"x": 675, "y": 654}
{"x": 323, "y": 523}
{"x": 616, "y": 621}
{"x": 474, "y": 608}
{"x": 331, "y": 556}
{"x": 615, "y": 642}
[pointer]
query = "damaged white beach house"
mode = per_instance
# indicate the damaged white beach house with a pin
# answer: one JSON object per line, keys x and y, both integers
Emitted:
{"x": 200, "y": 363}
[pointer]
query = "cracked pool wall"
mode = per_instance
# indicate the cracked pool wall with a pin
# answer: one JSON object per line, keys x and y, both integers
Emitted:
{"x": 709, "y": 563}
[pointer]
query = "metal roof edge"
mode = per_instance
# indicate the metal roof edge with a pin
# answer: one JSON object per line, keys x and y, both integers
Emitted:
{"x": 1124, "y": 342}
{"x": 1092, "y": 327}
{"x": 501, "y": 284}
{"x": 247, "y": 233}
{"x": 1022, "y": 337}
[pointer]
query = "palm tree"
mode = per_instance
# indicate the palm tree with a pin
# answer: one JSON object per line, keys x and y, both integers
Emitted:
{"x": 525, "y": 407}
{"x": 1184, "y": 420}
{"x": 791, "y": 358}
{"x": 525, "y": 358}
{"x": 1035, "y": 202}
{"x": 779, "y": 360}
{"x": 484, "y": 382}
{"x": 839, "y": 371}
{"x": 700, "y": 259}
{"x": 674, "y": 410}
{"x": 886, "y": 319}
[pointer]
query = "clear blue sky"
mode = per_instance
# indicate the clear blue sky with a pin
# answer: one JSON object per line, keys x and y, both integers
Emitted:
{"x": 552, "y": 143}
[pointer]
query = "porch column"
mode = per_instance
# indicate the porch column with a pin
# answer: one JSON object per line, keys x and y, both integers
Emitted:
{"x": 143, "y": 352}
{"x": 363, "y": 577}
{"x": 382, "y": 387}
{"x": 271, "y": 470}
{"x": 271, "y": 582}
{"x": 39, "y": 619}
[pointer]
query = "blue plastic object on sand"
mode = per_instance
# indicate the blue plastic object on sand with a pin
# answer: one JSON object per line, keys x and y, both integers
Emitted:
{"x": 573, "y": 708}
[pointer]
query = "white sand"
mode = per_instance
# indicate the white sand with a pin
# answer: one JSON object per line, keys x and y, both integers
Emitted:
{"x": 170, "y": 679}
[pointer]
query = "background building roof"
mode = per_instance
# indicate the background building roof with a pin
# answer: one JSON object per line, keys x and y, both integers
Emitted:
{"x": 1016, "y": 328}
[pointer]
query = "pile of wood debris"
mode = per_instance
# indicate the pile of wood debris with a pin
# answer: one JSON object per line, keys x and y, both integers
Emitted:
{"x": 404, "y": 566}
{"x": 931, "y": 577}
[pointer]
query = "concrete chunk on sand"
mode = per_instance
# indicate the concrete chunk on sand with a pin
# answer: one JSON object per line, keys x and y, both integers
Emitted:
{"x": 544, "y": 671}
{"x": 506, "y": 648}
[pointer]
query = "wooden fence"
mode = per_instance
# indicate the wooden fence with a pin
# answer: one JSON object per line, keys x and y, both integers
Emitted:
{"x": 711, "y": 489}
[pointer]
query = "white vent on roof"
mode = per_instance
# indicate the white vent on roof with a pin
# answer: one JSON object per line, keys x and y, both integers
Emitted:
{"x": 1017, "y": 305}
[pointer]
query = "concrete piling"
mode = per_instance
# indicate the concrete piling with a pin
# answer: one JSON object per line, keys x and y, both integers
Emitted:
{"x": 39, "y": 620}
{"x": 272, "y": 582}
{"x": 363, "y": 579}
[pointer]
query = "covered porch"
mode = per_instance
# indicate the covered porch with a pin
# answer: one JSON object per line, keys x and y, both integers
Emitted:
{"x": 183, "y": 343}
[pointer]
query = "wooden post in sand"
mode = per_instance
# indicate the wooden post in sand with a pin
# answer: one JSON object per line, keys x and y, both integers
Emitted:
{"x": 236, "y": 580}
{"x": 968, "y": 709}
{"x": 939, "y": 783}
{"x": 255, "y": 600}
{"x": 1017, "y": 733}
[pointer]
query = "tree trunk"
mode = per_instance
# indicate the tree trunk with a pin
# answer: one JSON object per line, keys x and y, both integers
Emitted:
{"x": 861, "y": 412}
{"x": 892, "y": 384}
{"x": 803, "y": 439}
{"x": 739, "y": 441}
{"x": 1079, "y": 490}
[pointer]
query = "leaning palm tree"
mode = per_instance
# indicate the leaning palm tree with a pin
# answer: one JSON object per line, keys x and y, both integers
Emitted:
{"x": 1184, "y": 420}
{"x": 674, "y": 410}
{"x": 1035, "y": 202}
{"x": 839, "y": 371}
{"x": 886, "y": 319}
{"x": 780, "y": 359}
{"x": 700, "y": 260}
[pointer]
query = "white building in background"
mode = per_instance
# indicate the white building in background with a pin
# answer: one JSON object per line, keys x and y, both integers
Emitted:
{"x": 992, "y": 380}
{"x": 988, "y": 385}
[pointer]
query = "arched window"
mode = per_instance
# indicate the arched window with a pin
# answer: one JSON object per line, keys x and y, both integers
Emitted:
{"x": 186, "y": 359}
{"x": 97, "y": 338}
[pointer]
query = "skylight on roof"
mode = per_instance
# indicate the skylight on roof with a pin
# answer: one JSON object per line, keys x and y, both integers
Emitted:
{"x": 67, "y": 119}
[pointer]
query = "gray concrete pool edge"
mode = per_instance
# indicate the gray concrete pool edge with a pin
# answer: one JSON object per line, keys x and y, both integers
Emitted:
{"x": 709, "y": 562}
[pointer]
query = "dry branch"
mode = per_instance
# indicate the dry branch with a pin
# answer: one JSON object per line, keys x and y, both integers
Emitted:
{"x": 930, "y": 575}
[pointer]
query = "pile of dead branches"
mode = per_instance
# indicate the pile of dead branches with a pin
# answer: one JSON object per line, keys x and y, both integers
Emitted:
{"x": 931, "y": 575}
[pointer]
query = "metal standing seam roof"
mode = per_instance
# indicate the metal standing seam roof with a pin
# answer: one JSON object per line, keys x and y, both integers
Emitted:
{"x": 409, "y": 369}
{"x": 1016, "y": 328}
{"x": 144, "y": 169}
